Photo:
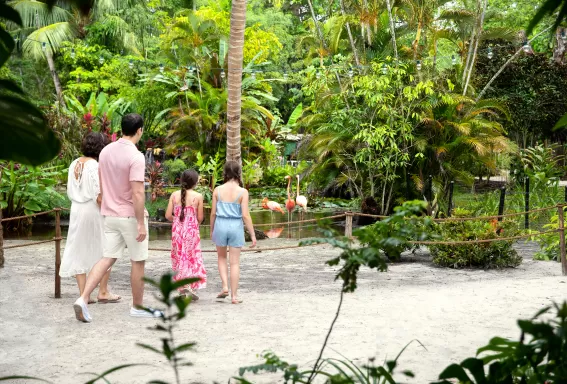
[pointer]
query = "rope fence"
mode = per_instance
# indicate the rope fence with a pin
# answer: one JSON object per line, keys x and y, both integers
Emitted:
{"x": 348, "y": 233}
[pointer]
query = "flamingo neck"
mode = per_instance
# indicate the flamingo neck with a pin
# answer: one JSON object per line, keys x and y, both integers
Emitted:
{"x": 288, "y": 188}
{"x": 298, "y": 186}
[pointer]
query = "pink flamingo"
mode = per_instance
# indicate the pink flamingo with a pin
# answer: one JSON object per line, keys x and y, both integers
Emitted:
{"x": 289, "y": 204}
{"x": 300, "y": 200}
{"x": 272, "y": 206}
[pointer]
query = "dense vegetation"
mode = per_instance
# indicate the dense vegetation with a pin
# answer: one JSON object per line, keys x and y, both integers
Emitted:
{"x": 381, "y": 94}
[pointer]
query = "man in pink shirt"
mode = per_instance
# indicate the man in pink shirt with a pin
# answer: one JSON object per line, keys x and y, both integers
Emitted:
{"x": 122, "y": 170}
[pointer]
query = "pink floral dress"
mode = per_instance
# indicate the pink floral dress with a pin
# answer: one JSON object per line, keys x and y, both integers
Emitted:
{"x": 186, "y": 256}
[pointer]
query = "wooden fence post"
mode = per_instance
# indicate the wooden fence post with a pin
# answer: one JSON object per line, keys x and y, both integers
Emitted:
{"x": 450, "y": 206}
{"x": 527, "y": 201}
{"x": 57, "y": 252}
{"x": 1, "y": 242}
{"x": 562, "y": 238}
{"x": 501, "y": 205}
{"x": 348, "y": 224}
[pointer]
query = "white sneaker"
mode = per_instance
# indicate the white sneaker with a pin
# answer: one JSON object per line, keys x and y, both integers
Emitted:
{"x": 142, "y": 313}
{"x": 81, "y": 311}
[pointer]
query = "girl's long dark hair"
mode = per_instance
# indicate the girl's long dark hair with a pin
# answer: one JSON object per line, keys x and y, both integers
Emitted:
{"x": 189, "y": 179}
{"x": 232, "y": 171}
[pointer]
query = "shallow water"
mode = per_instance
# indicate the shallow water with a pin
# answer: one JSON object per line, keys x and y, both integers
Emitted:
{"x": 273, "y": 225}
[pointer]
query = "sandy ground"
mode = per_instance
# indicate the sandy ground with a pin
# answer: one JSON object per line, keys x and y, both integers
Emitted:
{"x": 290, "y": 299}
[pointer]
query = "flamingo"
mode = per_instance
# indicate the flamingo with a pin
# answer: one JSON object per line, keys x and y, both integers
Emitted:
{"x": 289, "y": 204}
{"x": 272, "y": 206}
{"x": 300, "y": 200}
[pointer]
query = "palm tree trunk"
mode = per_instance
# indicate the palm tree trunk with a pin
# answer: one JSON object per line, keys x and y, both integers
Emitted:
{"x": 392, "y": 30}
{"x": 469, "y": 54}
{"x": 354, "y": 51}
{"x": 55, "y": 76}
{"x": 479, "y": 33}
{"x": 417, "y": 38}
{"x": 235, "y": 59}
{"x": 317, "y": 27}
{"x": 559, "y": 51}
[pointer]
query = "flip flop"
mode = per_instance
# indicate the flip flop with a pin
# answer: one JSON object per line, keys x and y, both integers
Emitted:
{"x": 116, "y": 299}
{"x": 237, "y": 301}
{"x": 222, "y": 295}
{"x": 91, "y": 301}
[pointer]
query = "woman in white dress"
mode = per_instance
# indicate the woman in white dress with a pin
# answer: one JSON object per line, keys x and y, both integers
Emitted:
{"x": 84, "y": 239}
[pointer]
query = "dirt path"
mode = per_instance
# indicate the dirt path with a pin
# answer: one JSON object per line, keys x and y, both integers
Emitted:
{"x": 290, "y": 299}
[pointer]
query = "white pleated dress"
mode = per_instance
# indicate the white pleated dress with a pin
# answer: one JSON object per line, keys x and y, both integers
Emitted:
{"x": 86, "y": 231}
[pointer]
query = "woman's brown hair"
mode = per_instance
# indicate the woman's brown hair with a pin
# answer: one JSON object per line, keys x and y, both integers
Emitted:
{"x": 189, "y": 179}
{"x": 93, "y": 143}
{"x": 232, "y": 171}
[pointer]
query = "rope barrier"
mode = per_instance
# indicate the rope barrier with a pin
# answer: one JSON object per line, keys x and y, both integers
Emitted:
{"x": 27, "y": 216}
{"x": 480, "y": 218}
{"x": 464, "y": 242}
{"x": 257, "y": 249}
{"x": 33, "y": 243}
{"x": 279, "y": 223}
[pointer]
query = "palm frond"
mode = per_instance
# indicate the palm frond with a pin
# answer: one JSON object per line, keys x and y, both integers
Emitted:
{"x": 507, "y": 34}
{"x": 36, "y": 14}
{"x": 53, "y": 35}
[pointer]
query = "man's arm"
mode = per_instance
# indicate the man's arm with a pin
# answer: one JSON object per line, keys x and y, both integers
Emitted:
{"x": 99, "y": 197}
{"x": 137, "y": 176}
{"x": 139, "y": 199}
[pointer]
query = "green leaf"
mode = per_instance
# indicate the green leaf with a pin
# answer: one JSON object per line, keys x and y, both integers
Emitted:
{"x": 150, "y": 348}
{"x": 455, "y": 371}
{"x": 118, "y": 368}
{"x": 26, "y": 138}
{"x": 185, "y": 347}
{"x": 32, "y": 206}
{"x": 22, "y": 377}
{"x": 295, "y": 115}
{"x": 562, "y": 123}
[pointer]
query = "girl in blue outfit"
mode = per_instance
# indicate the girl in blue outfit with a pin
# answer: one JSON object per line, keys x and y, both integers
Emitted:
{"x": 229, "y": 214}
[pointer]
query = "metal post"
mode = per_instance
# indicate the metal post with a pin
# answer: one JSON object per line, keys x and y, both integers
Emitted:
{"x": 450, "y": 206}
{"x": 57, "y": 252}
{"x": 501, "y": 205}
{"x": 527, "y": 199}
{"x": 408, "y": 193}
{"x": 429, "y": 194}
{"x": 348, "y": 225}
{"x": 562, "y": 238}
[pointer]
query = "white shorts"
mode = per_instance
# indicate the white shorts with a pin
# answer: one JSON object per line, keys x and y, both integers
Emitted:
{"x": 121, "y": 232}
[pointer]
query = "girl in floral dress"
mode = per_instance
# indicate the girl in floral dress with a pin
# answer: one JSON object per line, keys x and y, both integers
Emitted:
{"x": 185, "y": 209}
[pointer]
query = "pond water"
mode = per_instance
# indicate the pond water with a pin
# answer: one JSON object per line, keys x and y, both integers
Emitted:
{"x": 273, "y": 225}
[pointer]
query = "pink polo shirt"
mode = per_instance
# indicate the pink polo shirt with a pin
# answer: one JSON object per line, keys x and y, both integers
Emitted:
{"x": 119, "y": 164}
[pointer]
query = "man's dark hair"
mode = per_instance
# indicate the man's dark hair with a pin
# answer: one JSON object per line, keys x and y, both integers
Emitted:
{"x": 131, "y": 123}
{"x": 93, "y": 143}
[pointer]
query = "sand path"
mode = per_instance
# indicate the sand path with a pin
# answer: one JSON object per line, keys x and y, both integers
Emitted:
{"x": 290, "y": 299}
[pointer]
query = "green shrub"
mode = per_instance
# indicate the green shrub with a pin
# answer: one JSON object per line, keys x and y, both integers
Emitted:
{"x": 549, "y": 244}
{"x": 25, "y": 190}
{"x": 275, "y": 175}
{"x": 173, "y": 170}
{"x": 496, "y": 254}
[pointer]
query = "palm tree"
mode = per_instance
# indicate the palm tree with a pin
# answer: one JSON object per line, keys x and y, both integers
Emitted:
{"x": 45, "y": 29}
{"x": 43, "y": 32}
{"x": 455, "y": 130}
{"x": 235, "y": 61}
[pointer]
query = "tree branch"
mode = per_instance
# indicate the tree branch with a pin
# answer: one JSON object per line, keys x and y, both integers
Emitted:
{"x": 316, "y": 366}
{"x": 506, "y": 64}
